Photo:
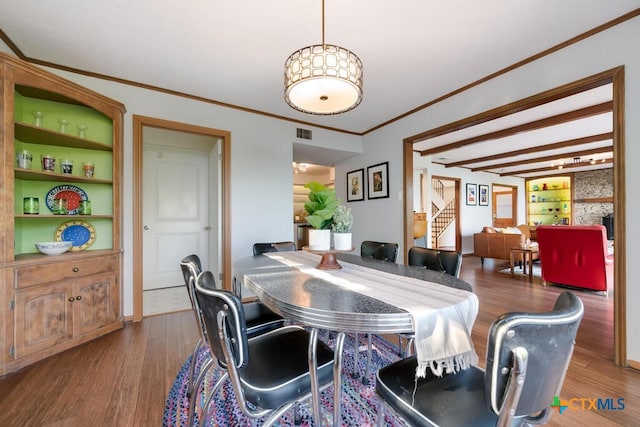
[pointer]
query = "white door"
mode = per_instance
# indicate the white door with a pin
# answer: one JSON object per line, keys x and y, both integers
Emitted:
{"x": 176, "y": 213}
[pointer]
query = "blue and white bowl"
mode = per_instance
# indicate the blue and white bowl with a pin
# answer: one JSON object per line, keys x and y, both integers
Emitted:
{"x": 53, "y": 248}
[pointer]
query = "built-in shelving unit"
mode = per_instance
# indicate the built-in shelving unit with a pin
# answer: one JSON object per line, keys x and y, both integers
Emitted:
{"x": 300, "y": 196}
{"x": 549, "y": 200}
{"x": 56, "y": 302}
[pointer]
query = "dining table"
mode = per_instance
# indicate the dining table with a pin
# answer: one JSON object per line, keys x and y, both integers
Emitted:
{"x": 366, "y": 296}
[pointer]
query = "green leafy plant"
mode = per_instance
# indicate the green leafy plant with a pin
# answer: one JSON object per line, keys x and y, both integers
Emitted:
{"x": 321, "y": 205}
{"x": 342, "y": 220}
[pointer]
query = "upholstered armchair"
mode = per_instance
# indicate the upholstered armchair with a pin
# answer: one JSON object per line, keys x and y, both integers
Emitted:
{"x": 576, "y": 255}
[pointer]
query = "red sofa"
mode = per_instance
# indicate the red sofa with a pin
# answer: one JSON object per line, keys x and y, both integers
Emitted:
{"x": 575, "y": 255}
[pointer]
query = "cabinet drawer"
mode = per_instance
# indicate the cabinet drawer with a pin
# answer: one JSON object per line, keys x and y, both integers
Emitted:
{"x": 47, "y": 273}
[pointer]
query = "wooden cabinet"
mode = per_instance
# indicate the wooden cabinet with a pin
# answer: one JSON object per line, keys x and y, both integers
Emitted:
{"x": 51, "y": 303}
{"x": 549, "y": 200}
{"x": 62, "y": 313}
{"x": 42, "y": 319}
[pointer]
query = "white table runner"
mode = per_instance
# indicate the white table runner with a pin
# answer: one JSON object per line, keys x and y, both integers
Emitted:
{"x": 442, "y": 316}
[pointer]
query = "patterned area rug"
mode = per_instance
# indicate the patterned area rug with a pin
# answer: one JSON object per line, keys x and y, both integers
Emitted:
{"x": 359, "y": 403}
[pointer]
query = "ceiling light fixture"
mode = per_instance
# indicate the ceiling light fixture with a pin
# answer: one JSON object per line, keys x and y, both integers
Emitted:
{"x": 299, "y": 168}
{"x": 323, "y": 78}
{"x": 577, "y": 161}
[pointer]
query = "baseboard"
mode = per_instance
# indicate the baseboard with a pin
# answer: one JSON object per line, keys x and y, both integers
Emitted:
{"x": 633, "y": 364}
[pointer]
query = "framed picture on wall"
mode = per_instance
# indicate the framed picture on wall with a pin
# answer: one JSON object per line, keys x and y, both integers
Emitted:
{"x": 378, "y": 181}
{"x": 483, "y": 195}
{"x": 472, "y": 194}
{"x": 355, "y": 185}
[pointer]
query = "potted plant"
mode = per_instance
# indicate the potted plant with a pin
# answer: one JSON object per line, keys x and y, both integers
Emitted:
{"x": 341, "y": 226}
{"x": 320, "y": 208}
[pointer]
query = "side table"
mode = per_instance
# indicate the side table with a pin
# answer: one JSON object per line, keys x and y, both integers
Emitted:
{"x": 527, "y": 259}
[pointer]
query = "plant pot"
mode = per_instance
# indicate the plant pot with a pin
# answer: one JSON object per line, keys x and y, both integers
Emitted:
{"x": 342, "y": 241}
{"x": 319, "y": 240}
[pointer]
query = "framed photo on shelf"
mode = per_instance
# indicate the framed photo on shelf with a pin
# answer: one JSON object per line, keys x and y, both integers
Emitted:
{"x": 483, "y": 195}
{"x": 378, "y": 181}
{"x": 472, "y": 194}
{"x": 355, "y": 185}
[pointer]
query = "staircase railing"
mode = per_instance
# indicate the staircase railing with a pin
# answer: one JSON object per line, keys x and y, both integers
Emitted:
{"x": 438, "y": 187}
{"x": 441, "y": 220}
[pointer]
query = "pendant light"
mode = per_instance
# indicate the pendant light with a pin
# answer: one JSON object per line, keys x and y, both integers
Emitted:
{"x": 323, "y": 78}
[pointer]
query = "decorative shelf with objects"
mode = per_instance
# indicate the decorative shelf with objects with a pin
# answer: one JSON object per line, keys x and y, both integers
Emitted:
{"x": 60, "y": 183}
{"x": 300, "y": 196}
{"x": 549, "y": 200}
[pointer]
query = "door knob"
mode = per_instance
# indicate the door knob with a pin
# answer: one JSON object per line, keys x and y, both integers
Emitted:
{"x": 146, "y": 227}
{"x": 207, "y": 228}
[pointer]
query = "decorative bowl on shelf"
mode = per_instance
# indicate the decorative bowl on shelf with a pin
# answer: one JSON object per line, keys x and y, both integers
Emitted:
{"x": 53, "y": 248}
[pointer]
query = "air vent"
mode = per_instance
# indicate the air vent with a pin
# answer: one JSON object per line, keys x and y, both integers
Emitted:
{"x": 303, "y": 133}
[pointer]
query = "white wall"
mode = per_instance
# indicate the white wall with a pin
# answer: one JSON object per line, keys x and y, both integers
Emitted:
{"x": 378, "y": 219}
{"x": 388, "y": 147}
{"x": 603, "y": 51}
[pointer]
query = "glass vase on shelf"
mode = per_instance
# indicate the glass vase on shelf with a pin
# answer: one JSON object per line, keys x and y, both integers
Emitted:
{"x": 64, "y": 123}
{"x": 82, "y": 131}
{"x": 37, "y": 118}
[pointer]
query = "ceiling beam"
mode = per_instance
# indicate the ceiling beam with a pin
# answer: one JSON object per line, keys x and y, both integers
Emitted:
{"x": 570, "y": 116}
{"x": 530, "y": 150}
{"x": 556, "y": 157}
{"x": 553, "y": 168}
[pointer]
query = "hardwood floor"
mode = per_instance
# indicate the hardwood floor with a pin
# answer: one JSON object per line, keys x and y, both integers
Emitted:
{"x": 123, "y": 379}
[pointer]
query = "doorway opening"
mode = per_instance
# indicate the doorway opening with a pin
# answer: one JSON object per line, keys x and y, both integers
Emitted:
{"x": 504, "y": 207}
{"x": 304, "y": 173}
{"x": 171, "y": 223}
{"x": 445, "y": 213}
{"x": 611, "y": 110}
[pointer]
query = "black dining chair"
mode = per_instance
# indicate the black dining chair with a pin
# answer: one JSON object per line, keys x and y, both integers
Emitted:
{"x": 383, "y": 251}
{"x": 527, "y": 357}
{"x": 445, "y": 261}
{"x": 259, "y": 319}
{"x": 269, "y": 373}
{"x": 191, "y": 267}
{"x": 379, "y": 250}
{"x": 451, "y": 261}
{"x": 261, "y": 248}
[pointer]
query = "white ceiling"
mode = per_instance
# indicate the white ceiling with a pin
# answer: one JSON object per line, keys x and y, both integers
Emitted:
{"x": 413, "y": 51}
{"x": 534, "y": 152}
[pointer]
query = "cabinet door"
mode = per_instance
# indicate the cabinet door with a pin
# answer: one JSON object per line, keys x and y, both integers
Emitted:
{"x": 96, "y": 303}
{"x": 43, "y": 318}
